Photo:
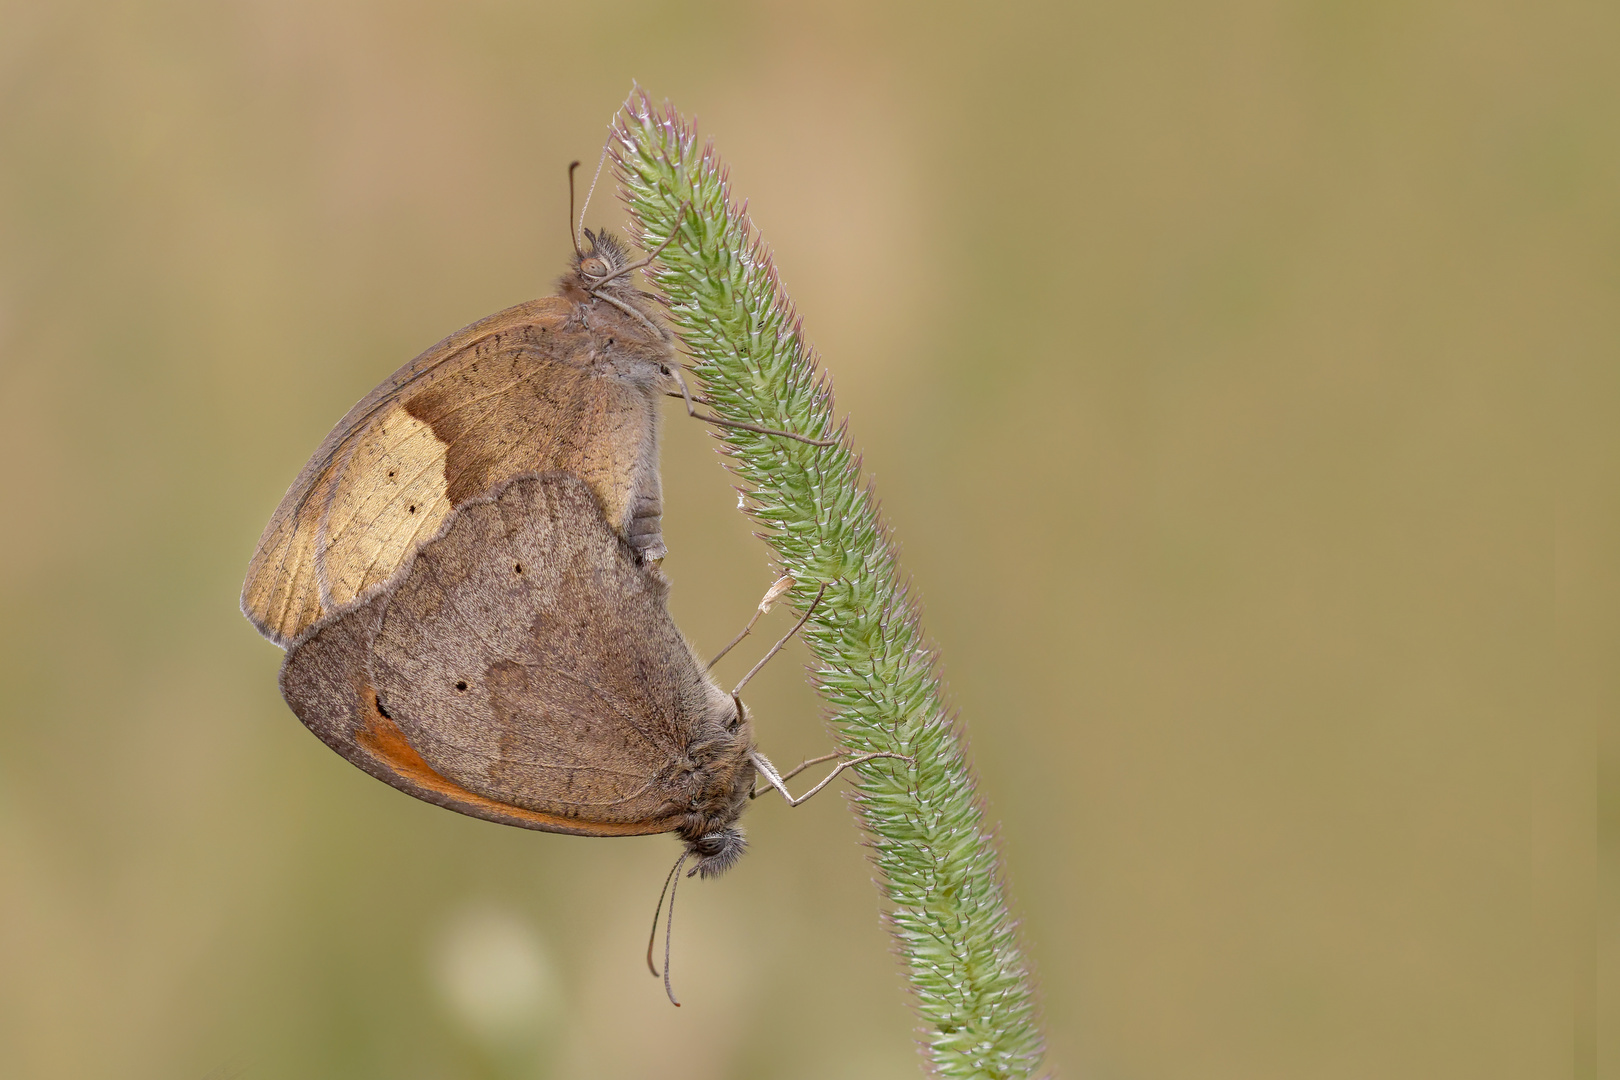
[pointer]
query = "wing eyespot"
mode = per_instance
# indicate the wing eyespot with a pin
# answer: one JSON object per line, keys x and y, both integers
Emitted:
{"x": 461, "y": 686}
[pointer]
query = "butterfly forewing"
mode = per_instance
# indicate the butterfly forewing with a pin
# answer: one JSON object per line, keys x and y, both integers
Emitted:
{"x": 525, "y": 390}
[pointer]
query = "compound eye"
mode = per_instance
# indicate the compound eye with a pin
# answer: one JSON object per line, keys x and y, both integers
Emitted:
{"x": 593, "y": 267}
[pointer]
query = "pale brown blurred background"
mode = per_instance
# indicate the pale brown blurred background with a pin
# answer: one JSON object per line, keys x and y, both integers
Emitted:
{"x": 1214, "y": 362}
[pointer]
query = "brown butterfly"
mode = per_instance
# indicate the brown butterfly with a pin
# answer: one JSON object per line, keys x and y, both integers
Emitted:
{"x": 524, "y": 669}
{"x": 570, "y": 382}
{"x": 573, "y": 704}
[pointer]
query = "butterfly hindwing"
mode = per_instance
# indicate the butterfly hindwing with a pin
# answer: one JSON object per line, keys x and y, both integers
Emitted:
{"x": 522, "y": 669}
{"x": 528, "y": 657}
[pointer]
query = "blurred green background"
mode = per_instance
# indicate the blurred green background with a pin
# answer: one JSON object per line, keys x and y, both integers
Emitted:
{"x": 1239, "y": 380}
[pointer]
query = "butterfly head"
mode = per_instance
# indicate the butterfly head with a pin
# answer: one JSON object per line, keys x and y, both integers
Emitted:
{"x": 601, "y": 264}
{"x": 720, "y": 777}
{"x": 716, "y": 851}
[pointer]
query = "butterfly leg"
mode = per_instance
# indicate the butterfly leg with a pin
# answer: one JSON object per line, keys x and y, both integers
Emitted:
{"x": 763, "y": 765}
{"x": 809, "y": 611}
{"x": 644, "y": 529}
{"x": 772, "y": 595}
{"x": 691, "y": 410}
{"x": 775, "y": 779}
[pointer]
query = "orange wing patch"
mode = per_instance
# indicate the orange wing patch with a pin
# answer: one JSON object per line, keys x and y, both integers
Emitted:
{"x": 380, "y": 737}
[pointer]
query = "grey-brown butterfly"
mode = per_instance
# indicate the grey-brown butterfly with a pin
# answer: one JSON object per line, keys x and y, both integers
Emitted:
{"x": 523, "y": 668}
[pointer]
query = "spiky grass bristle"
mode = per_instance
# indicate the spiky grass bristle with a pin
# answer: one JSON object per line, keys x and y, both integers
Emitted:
{"x": 926, "y": 827}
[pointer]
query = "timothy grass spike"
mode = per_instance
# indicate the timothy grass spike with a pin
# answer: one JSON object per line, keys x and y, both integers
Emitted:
{"x": 933, "y": 849}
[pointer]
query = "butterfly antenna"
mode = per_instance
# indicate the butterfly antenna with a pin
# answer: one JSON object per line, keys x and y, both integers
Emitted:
{"x": 573, "y": 222}
{"x": 669, "y": 930}
{"x": 652, "y": 938}
{"x": 597, "y": 175}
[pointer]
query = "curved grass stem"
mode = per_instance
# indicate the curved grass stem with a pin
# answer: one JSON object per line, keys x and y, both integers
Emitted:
{"x": 933, "y": 849}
